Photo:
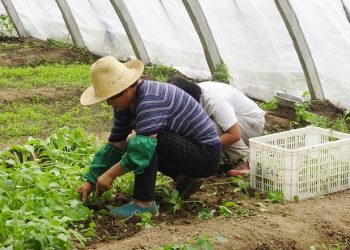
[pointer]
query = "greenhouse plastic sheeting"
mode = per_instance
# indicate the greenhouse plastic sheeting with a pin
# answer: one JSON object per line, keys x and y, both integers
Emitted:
{"x": 327, "y": 31}
{"x": 2, "y": 9}
{"x": 255, "y": 45}
{"x": 42, "y": 19}
{"x": 169, "y": 35}
{"x": 101, "y": 28}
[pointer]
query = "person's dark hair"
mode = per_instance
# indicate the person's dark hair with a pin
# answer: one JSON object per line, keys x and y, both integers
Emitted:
{"x": 191, "y": 88}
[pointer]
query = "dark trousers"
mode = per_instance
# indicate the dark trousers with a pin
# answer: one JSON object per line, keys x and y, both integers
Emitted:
{"x": 173, "y": 156}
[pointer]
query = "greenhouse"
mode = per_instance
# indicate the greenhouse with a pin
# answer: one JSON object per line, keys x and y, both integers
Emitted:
{"x": 291, "y": 58}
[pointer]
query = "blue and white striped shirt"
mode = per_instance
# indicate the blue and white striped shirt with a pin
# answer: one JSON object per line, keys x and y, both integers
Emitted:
{"x": 164, "y": 106}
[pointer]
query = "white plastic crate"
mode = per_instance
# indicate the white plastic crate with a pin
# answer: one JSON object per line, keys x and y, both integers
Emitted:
{"x": 303, "y": 162}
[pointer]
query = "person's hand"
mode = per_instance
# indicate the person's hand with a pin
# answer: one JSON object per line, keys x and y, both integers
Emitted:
{"x": 85, "y": 189}
{"x": 104, "y": 183}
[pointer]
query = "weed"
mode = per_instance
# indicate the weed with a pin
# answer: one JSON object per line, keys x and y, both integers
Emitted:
{"x": 225, "y": 209}
{"x": 200, "y": 243}
{"x": 340, "y": 124}
{"x": 274, "y": 197}
{"x": 221, "y": 74}
{"x": 45, "y": 75}
{"x": 270, "y": 104}
{"x": 63, "y": 43}
{"x": 39, "y": 118}
{"x": 242, "y": 185}
{"x": 304, "y": 116}
{"x": 205, "y": 214}
{"x": 160, "y": 72}
{"x": 6, "y": 25}
{"x": 146, "y": 220}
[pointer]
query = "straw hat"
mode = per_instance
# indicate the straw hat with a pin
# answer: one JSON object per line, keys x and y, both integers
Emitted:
{"x": 110, "y": 77}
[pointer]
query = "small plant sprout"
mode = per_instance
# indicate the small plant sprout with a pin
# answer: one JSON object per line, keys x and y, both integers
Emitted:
{"x": 340, "y": 124}
{"x": 146, "y": 220}
{"x": 304, "y": 116}
{"x": 225, "y": 209}
{"x": 270, "y": 104}
{"x": 200, "y": 243}
{"x": 160, "y": 72}
{"x": 242, "y": 185}
{"x": 6, "y": 25}
{"x": 274, "y": 197}
{"x": 205, "y": 214}
{"x": 221, "y": 74}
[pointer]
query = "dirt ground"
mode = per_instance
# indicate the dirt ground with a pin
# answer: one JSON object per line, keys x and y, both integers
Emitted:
{"x": 319, "y": 222}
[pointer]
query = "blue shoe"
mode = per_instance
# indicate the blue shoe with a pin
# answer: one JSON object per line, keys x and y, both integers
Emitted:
{"x": 132, "y": 208}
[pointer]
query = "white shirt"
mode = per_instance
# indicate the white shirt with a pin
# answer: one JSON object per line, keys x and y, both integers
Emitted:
{"x": 225, "y": 104}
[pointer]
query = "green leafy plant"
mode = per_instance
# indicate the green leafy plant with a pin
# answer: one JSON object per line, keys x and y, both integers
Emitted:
{"x": 221, "y": 74}
{"x": 38, "y": 202}
{"x": 225, "y": 209}
{"x": 270, "y": 104}
{"x": 146, "y": 220}
{"x": 305, "y": 117}
{"x": 160, "y": 72}
{"x": 340, "y": 124}
{"x": 274, "y": 197}
{"x": 6, "y": 24}
{"x": 200, "y": 243}
{"x": 205, "y": 214}
{"x": 242, "y": 185}
{"x": 62, "y": 43}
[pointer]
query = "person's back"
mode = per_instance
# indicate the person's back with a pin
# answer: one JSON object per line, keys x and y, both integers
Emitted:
{"x": 162, "y": 106}
{"x": 236, "y": 117}
{"x": 215, "y": 92}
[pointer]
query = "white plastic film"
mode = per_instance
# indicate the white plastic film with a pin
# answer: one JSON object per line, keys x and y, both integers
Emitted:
{"x": 169, "y": 35}
{"x": 2, "y": 9}
{"x": 101, "y": 28}
{"x": 42, "y": 19}
{"x": 327, "y": 31}
{"x": 255, "y": 46}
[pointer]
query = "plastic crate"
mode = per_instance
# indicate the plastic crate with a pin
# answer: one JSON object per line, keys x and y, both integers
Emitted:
{"x": 303, "y": 162}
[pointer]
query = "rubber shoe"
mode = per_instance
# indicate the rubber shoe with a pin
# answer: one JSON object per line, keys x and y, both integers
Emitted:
{"x": 132, "y": 208}
{"x": 242, "y": 170}
{"x": 188, "y": 186}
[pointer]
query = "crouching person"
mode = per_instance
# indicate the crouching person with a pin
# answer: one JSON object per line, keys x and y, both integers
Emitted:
{"x": 173, "y": 135}
{"x": 236, "y": 117}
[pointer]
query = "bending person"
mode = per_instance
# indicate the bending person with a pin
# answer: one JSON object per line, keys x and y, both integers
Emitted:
{"x": 236, "y": 117}
{"x": 173, "y": 135}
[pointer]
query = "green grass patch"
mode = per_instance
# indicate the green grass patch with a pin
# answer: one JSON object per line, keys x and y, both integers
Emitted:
{"x": 40, "y": 118}
{"x": 46, "y": 75}
{"x": 159, "y": 72}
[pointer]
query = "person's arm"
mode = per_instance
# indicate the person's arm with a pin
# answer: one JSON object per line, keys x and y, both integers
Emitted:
{"x": 118, "y": 144}
{"x": 105, "y": 158}
{"x": 137, "y": 157}
{"x": 225, "y": 117}
{"x": 230, "y": 136}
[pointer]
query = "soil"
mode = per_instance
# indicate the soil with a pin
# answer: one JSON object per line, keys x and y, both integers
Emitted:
{"x": 15, "y": 52}
{"x": 254, "y": 223}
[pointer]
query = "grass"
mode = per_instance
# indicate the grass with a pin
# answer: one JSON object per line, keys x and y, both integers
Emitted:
{"x": 159, "y": 72}
{"x": 46, "y": 75}
{"x": 221, "y": 74}
{"x": 39, "y": 117}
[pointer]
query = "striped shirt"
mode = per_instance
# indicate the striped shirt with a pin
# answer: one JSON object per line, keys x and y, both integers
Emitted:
{"x": 164, "y": 106}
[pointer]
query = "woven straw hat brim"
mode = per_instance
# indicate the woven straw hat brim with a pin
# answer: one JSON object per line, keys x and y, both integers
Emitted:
{"x": 135, "y": 70}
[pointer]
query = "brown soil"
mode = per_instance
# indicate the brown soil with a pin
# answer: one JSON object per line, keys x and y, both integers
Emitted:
{"x": 254, "y": 224}
{"x": 17, "y": 52}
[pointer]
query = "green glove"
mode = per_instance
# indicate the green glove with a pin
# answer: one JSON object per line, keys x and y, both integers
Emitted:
{"x": 138, "y": 154}
{"x": 104, "y": 159}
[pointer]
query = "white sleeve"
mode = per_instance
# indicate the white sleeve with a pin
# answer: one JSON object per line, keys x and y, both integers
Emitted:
{"x": 224, "y": 115}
